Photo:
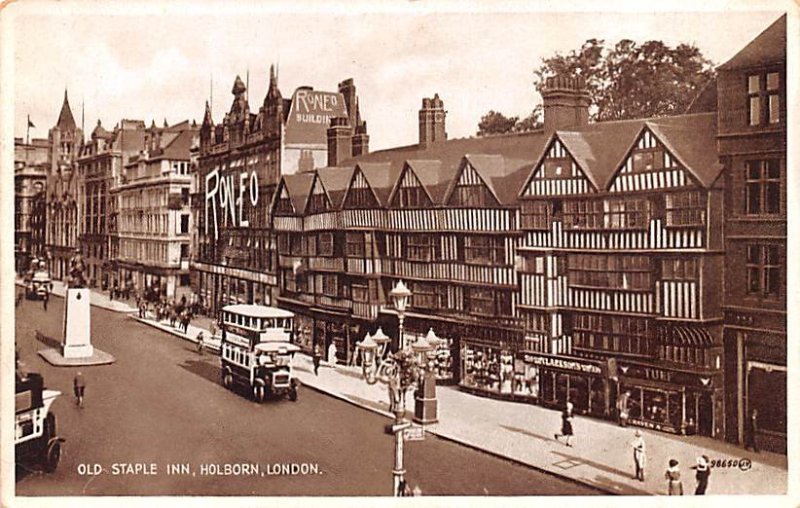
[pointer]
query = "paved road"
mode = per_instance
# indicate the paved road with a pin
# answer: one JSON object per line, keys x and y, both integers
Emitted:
{"x": 161, "y": 403}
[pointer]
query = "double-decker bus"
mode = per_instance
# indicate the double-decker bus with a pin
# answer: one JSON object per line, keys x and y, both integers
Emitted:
{"x": 257, "y": 352}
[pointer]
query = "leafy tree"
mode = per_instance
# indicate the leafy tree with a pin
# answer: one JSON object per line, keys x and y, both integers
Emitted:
{"x": 631, "y": 80}
{"x": 494, "y": 122}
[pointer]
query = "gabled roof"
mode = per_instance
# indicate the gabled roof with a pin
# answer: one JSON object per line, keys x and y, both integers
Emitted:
{"x": 691, "y": 138}
{"x": 497, "y": 171}
{"x": 335, "y": 181}
{"x": 599, "y": 149}
{"x": 381, "y": 176}
{"x": 434, "y": 176}
{"x": 298, "y": 186}
{"x": 769, "y": 47}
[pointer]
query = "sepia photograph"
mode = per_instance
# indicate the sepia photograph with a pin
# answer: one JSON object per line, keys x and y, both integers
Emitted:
{"x": 399, "y": 249}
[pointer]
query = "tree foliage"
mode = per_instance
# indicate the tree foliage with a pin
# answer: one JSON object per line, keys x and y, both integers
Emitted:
{"x": 633, "y": 81}
{"x": 495, "y": 122}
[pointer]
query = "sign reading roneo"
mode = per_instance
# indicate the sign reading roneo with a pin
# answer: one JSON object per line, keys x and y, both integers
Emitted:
{"x": 310, "y": 115}
{"x": 226, "y": 194}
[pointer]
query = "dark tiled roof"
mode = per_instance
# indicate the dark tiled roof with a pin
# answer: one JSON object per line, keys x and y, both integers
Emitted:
{"x": 706, "y": 100}
{"x": 501, "y": 175}
{"x": 768, "y": 47}
{"x": 178, "y": 148}
{"x": 692, "y": 138}
{"x": 299, "y": 187}
{"x": 381, "y": 176}
{"x": 335, "y": 181}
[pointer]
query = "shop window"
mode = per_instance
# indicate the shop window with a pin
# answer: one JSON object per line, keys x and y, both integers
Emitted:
{"x": 764, "y": 270}
{"x": 763, "y": 98}
{"x": 686, "y": 209}
{"x": 484, "y": 250}
{"x": 679, "y": 269}
{"x": 763, "y": 187}
{"x": 536, "y": 215}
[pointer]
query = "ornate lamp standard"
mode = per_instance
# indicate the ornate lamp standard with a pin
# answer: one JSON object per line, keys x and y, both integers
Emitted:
{"x": 382, "y": 340}
{"x": 400, "y": 295}
{"x": 400, "y": 372}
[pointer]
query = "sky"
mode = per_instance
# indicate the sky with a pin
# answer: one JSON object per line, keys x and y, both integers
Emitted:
{"x": 153, "y": 61}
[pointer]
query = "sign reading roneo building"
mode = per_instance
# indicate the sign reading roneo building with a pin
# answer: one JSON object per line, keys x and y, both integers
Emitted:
{"x": 310, "y": 116}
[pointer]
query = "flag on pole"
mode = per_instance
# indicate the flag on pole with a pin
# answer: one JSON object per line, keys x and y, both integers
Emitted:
{"x": 30, "y": 124}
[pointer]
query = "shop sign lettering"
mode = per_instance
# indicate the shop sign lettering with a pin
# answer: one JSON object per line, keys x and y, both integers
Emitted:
{"x": 652, "y": 425}
{"x": 225, "y": 196}
{"x": 316, "y": 107}
{"x": 560, "y": 363}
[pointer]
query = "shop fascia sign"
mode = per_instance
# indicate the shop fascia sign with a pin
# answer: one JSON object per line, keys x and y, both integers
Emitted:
{"x": 225, "y": 197}
{"x": 560, "y": 363}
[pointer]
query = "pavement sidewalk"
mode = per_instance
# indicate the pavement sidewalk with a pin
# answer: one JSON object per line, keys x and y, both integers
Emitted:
{"x": 601, "y": 455}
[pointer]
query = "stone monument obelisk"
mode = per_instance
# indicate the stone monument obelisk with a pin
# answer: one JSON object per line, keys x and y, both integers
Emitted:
{"x": 77, "y": 317}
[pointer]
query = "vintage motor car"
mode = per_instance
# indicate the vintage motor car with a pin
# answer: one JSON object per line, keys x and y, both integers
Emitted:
{"x": 256, "y": 351}
{"x": 35, "y": 439}
{"x": 37, "y": 280}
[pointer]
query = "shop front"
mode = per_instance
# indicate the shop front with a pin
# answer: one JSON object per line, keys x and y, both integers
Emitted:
{"x": 417, "y": 327}
{"x": 558, "y": 380}
{"x": 489, "y": 364}
{"x": 217, "y": 286}
{"x": 675, "y": 401}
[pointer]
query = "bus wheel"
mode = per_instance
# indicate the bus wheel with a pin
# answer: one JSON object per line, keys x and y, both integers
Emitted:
{"x": 52, "y": 455}
{"x": 258, "y": 393}
{"x": 227, "y": 381}
{"x": 293, "y": 393}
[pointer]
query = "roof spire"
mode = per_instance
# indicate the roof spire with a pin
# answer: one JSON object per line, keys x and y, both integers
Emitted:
{"x": 66, "y": 121}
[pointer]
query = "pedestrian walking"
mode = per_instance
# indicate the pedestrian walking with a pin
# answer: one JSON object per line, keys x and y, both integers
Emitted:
{"x": 673, "y": 477}
{"x": 79, "y": 386}
{"x": 702, "y": 472}
{"x": 622, "y": 408}
{"x": 566, "y": 425}
{"x": 317, "y": 358}
{"x": 332, "y": 354}
{"x": 45, "y": 298}
{"x": 750, "y": 430}
{"x": 200, "y": 343}
{"x": 639, "y": 455}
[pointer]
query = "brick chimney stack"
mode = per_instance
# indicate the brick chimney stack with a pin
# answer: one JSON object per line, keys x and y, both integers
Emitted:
{"x": 340, "y": 141}
{"x": 566, "y": 103}
{"x": 432, "y": 122}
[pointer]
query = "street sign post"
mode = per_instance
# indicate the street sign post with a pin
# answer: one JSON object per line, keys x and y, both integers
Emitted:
{"x": 414, "y": 433}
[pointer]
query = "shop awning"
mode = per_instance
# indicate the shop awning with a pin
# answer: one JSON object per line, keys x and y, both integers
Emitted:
{"x": 682, "y": 335}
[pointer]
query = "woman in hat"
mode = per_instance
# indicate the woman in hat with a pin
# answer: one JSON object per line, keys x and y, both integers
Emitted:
{"x": 673, "y": 476}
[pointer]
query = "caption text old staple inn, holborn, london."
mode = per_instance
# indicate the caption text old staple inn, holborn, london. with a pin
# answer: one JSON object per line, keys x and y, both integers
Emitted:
{"x": 581, "y": 261}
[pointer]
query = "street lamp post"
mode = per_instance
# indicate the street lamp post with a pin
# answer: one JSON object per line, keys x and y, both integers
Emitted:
{"x": 400, "y": 295}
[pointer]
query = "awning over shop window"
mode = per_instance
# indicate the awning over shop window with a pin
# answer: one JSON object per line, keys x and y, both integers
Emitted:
{"x": 682, "y": 335}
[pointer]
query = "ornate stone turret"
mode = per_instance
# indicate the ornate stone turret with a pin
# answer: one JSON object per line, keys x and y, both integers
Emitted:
{"x": 566, "y": 103}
